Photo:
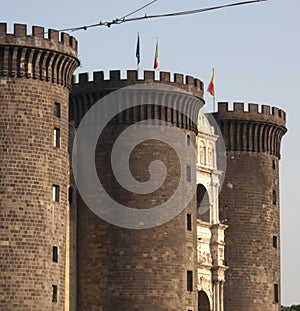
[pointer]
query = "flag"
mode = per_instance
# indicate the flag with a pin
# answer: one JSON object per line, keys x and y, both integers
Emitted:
{"x": 156, "y": 56}
{"x": 211, "y": 86}
{"x": 137, "y": 53}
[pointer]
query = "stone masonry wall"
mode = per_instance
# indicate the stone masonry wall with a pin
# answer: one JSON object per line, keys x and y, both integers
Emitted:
{"x": 35, "y": 73}
{"x": 249, "y": 203}
{"x": 31, "y": 223}
{"x": 126, "y": 269}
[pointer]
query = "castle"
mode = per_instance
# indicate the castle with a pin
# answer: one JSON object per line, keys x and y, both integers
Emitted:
{"x": 219, "y": 251}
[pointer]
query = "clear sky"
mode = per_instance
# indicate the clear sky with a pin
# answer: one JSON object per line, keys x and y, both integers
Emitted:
{"x": 255, "y": 50}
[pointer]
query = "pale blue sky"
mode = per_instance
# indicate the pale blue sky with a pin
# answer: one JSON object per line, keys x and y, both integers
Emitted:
{"x": 254, "y": 49}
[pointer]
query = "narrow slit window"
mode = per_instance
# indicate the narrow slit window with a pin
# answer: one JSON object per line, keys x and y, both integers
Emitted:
{"x": 54, "y": 253}
{"x": 273, "y": 164}
{"x": 275, "y": 241}
{"x": 54, "y": 293}
{"x": 189, "y": 281}
{"x": 189, "y": 222}
{"x": 188, "y": 139}
{"x": 56, "y": 137}
{"x": 276, "y": 293}
{"x": 57, "y": 110}
{"x": 70, "y": 195}
{"x": 274, "y": 197}
{"x": 55, "y": 193}
{"x": 188, "y": 173}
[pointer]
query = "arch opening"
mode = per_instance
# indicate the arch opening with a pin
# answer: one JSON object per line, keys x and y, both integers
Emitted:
{"x": 203, "y": 204}
{"x": 203, "y": 301}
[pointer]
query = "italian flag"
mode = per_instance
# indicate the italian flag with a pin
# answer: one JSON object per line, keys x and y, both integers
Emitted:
{"x": 156, "y": 56}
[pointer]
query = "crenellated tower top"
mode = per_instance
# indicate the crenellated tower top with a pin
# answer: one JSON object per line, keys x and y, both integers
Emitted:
{"x": 86, "y": 92}
{"x": 50, "y": 58}
{"x": 251, "y": 130}
{"x": 268, "y": 114}
{"x": 187, "y": 83}
{"x": 60, "y": 42}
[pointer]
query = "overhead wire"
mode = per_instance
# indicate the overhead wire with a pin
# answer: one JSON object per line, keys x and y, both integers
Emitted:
{"x": 139, "y": 9}
{"x": 124, "y": 19}
{"x": 106, "y": 23}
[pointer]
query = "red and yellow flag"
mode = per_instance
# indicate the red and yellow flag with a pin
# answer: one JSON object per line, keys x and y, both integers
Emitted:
{"x": 211, "y": 86}
{"x": 156, "y": 56}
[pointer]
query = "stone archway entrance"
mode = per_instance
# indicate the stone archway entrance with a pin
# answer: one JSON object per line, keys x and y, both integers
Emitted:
{"x": 203, "y": 301}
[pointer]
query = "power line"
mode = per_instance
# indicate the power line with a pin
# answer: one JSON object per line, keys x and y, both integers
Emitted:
{"x": 124, "y": 19}
{"x": 139, "y": 9}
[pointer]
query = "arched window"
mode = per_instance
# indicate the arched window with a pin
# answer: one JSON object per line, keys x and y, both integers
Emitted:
{"x": 203, "y": 301}
{"x": 203, "y": 205}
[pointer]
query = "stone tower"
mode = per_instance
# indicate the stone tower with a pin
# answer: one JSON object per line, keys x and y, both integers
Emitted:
{"x": 249, "y": 202}
{"x": 148, "y": 269}
{"x": 35, "y": 79}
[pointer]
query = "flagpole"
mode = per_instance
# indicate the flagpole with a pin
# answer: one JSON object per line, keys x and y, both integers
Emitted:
{"x": 138, "y": 51}
{"x": 155, "y": 66}
{"x": 214, "y": 96}
{"x": 211, "y": 89}
{"x": 157, "y": 69}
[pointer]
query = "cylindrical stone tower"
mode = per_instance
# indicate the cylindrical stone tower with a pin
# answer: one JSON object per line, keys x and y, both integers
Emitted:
{"x": 249, "y": 202}
{"x": 147, "y": 269}
{"x": 35, "y": 79}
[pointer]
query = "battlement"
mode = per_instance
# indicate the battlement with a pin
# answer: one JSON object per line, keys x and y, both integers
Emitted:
{"x": 86, "y": 92}
{"x": 251, "y": 130}
{"x": 51, "y": 59}
{"x": 190, "y": 84}
{"x": 61, "y": 42}
{"x": 266, "y": 114}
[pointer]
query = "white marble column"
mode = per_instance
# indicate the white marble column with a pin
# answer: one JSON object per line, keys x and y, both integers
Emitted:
{"x": 221, "y": 308}
{"x": 216, "y": 296}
